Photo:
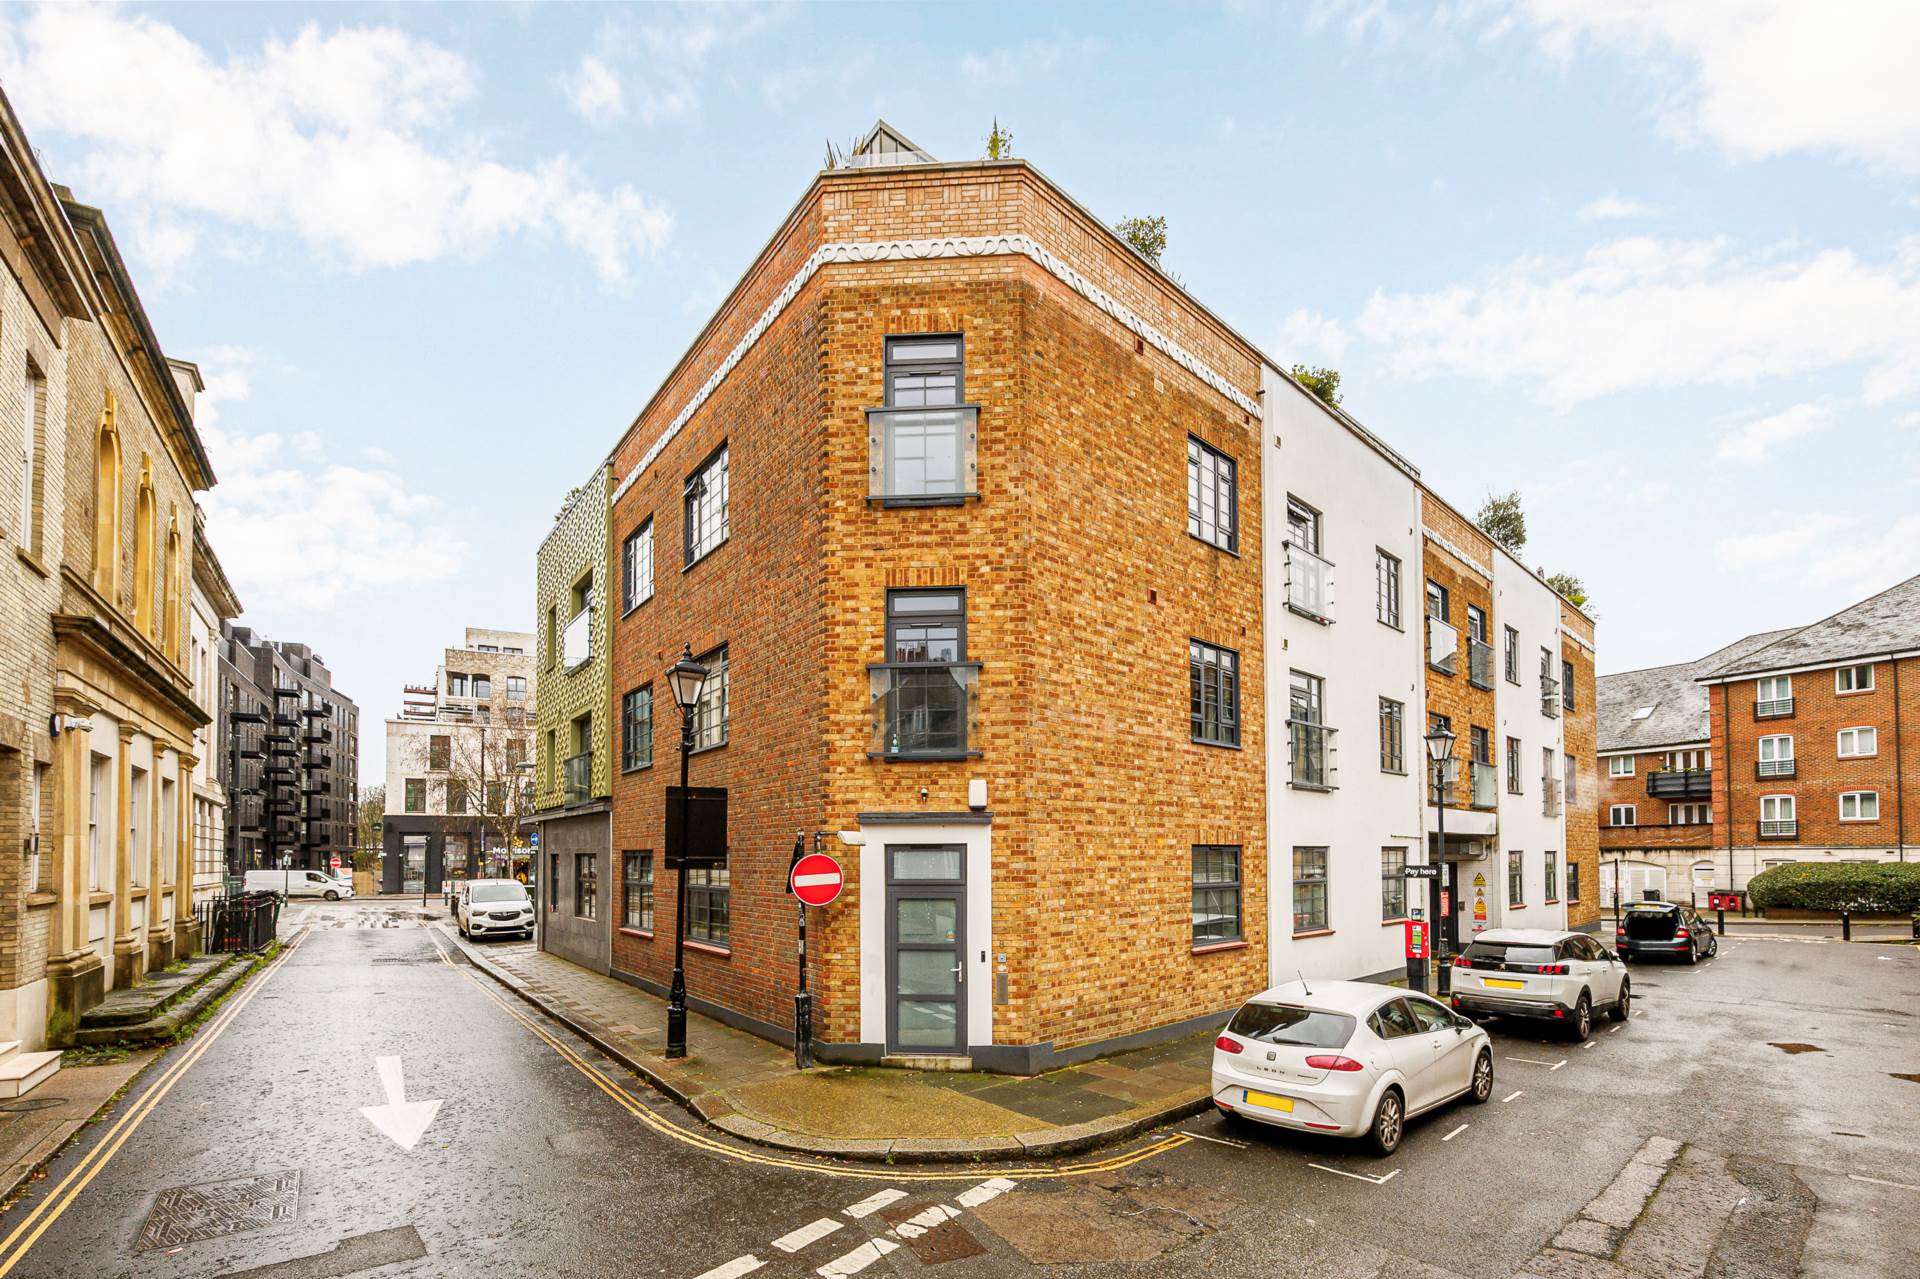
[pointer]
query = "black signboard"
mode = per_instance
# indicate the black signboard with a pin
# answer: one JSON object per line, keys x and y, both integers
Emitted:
{"x": 1422, "y": 872}
{"x": 702, "y": 840}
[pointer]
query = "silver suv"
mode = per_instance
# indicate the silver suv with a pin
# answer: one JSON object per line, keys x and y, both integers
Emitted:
{"x": 1543, "y": 973}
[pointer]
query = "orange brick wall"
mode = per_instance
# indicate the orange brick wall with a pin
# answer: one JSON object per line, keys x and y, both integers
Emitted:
{"x": 1454, "y": 695}
{"x": 1582, "y": 809}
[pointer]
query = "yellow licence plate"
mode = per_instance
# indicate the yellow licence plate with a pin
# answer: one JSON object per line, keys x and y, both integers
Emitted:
{"x": 1503, "y": 983}
{"x": 1268, "y": 1100}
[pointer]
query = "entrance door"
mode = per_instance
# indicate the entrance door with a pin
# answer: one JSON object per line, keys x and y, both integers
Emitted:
{"x": 926, "y": 949}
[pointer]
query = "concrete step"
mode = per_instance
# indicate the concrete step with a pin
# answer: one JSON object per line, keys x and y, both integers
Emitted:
{"x": 162, "y": 1026}
{"x": 7, "y": 1046}
{"x": 21, "y": 1073}
{"x": 133, "y": 1005}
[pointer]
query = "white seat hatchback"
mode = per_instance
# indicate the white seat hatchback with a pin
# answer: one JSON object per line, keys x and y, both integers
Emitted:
{"x": 1348, "y": 1058}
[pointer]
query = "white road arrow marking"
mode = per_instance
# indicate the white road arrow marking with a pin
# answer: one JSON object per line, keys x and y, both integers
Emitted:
{"x": 404, "y": 1121}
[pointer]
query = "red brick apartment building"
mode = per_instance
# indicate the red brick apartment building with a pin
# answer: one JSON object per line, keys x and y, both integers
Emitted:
{"x": 918, "y": 496}
{"x": 1786, "y": 746}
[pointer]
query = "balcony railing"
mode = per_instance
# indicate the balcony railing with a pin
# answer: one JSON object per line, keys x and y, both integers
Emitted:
{"x": 1550, "y": 796}
{"x": 1450, "y": 770}
{"x": 1773, "y": 708}
{"x": 1774, "y": 768}
{"x": 1689, "y": 783}
{"x": 922, "y": 455}
{"x": 1484, "y": 785}
{"x": 577, "y": 777}
{"x": 1786, "y": 828}
{"x": 922, "y": 711}
{"x": 1549, "y": 696}
{"x": 576, "y": 641}
{"x": 1479, "y": 663}
{"x": 1443, "y": 646}
{"x": 1314, "y": 754}
{"x": 1309, "y": 583}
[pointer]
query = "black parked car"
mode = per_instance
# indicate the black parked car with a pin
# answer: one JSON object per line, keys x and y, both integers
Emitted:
{"x": 1663, "y": 928}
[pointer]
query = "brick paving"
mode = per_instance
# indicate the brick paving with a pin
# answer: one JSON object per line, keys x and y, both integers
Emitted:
{"x": 749, "y": 1087}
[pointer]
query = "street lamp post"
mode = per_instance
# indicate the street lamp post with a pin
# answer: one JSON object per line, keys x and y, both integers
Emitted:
{"x": 685, "y": 677}
{"x": 1440, "y": 751}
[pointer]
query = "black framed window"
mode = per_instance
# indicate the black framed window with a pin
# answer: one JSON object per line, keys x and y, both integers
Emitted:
{"x": 636, "y": 728}
{"x": 923, "y": 690}
{"x": 1310, "y": 740}
{"x": 1513, "y": 656}
{"x": 712, "y": 723}
{"x": 1439, "y": 602}
{"x": 636, "y": 891}
{"x": 1216, "y": 894}
{"x": 1386, "y": 588}
{"x": 1309, "y": 889}
{"x": 1566, "y": 685}
{"x": 1573, "y": 881}
{"x": 636, "y": 568}
{"x": 1477, "y": 623}
{"x": 1513, "y": 765}
{"x": 553, "y": 881}
{"x": 1303, "y": 525}
{"x": 706, "y": 507}
{"x": 586, "y": 885}
{"x": 1214, "y": 682}
{"x": 1393, "y": 736}
{"x": 1393, "y": 884}
{"x": 1213, "y": 495}
{"x": 1549, "y": 865}
{"x": 1516, "y": 878}
{"x": 710, "y": 904}
{"x": 926, "y": 370}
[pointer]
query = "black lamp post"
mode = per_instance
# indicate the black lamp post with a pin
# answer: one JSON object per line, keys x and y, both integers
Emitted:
{"x": 1440, "y": 751}
{"x": 685, "y": 677}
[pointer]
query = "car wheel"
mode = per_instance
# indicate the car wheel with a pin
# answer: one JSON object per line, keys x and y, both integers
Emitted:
{"x": 1713, "y": 947}
{"x": 332, "y": 896}
{"x": 1583, "y": 1018}
{"x": 1482, "y": 1091}
{"x": 1623, "y": 1007}
{"x": 1389, "y": 1122}
{"x": 1693, "y": 954}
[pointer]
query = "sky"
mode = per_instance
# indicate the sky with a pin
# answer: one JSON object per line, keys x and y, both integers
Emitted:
{"x": 1654, "y": 265}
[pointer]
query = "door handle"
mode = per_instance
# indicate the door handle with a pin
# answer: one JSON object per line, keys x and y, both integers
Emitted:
{"x": 960, "y": 973}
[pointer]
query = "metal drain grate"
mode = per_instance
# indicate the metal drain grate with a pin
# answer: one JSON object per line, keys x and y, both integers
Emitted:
{"x": 189, "y": 1214}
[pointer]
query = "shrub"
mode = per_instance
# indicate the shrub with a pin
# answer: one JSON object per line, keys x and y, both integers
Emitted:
{"x": 1889, "y": 887}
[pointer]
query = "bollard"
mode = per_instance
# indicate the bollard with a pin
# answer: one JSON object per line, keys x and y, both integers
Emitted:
{"x": 1443, "y": 979}
{"x": 1846, "y": 925}
{"x": 1720, "y": 917}
{"x": 1417, "y": 975}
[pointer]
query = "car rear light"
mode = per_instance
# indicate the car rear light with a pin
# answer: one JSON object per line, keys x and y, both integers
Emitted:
{"x": 1619, "y": 932}
{"x": 1554, "y": 970}
{"x": 1328, "y": 1061}
{"x": 1226, "y": 1045}
{"x": 1461, "y": 961}
{"x": 1324, "y": 1127}
{"x": 1681, "y": 934}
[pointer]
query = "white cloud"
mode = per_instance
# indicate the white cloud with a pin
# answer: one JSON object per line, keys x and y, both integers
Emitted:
{"x": 1762, "y": 77}
{"x": 1649, "y": 494}
{"x": 1873, "y": 565}
{"x": 1756, "y": 441}
{"x": 593, "y": 91}
{"x": 294, "y": 529}
{"x": 1034, "y": 58}
{"x": 1307, "y": 336}
{"x": 1645, "y": 313}
{"x": 1614, "y": 207}
{"x": 1783, "y": 541}
{"x": 351, "y": 138}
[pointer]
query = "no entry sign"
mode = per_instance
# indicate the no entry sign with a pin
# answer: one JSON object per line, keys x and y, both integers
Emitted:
{"x": 816, "y": 879}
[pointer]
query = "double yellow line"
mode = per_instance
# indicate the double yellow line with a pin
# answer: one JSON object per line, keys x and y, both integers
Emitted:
{"x": 700, "y": 1141}
{"x": 13, "y": 1249}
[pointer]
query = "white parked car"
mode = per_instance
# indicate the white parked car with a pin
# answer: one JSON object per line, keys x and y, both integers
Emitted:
{"x": 494, "y": 907}
{"x": 1349, "y": 1058}
{"x": 1542, "y": 973}
{"x": 298, "y": 883}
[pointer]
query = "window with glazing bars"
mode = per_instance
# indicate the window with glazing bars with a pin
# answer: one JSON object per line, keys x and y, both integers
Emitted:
{"x": 1386, "y": 588}
{"x": 636, "y": 568}
{"x": 1215, "y": 694}
{"x": 1216, "y": 894}
{"x": 925, "y": 702}
{"x": 586, "y": 885}
{"x": 1212, "y": 495}
{"x": 1393, "y": 883}
{"x": 706, "y": 507}
{"x": 637, "y": 892}
{"x": 1309, "y": 889}
{"x": 636, "y": 728}
{"x": 710, "y": 904}
{"x": 711, "y": 712}
{"x": 1393, "y": 717}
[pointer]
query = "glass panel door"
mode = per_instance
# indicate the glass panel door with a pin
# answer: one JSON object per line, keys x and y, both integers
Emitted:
{"x": 926, "y": 949}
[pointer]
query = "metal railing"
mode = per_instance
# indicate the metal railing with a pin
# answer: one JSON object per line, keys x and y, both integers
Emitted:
{"x": 1314, "y": 754}
{"x": 1479, "y": 663}
{"x": 577, "y": 777}
{"x": 1786, "y": 828}
{"x": 922, "y": 710}
{"x": 245, "y": 922}
{"x": 576, "y": 641}
{"x": 1773, "y": 708}
{"x": 1309, "y": 583}
{"x": 1485, "y": 782}
{"x": 1774, "y": 767}
{"x": 1443, "y": 646}
{"x": 1550, "y": 796}
{"x": 1549, "y": 696}
{"x": 1677, "y": 783}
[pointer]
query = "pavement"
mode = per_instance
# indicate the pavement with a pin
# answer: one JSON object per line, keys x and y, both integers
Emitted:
{"x": 748, "y": 1087}
{"x": 33, "y": 1127}
{"x": 373, "y": 1105}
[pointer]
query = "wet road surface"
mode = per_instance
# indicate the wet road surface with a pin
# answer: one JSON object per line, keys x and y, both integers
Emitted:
{"x": 246, "y": 1151}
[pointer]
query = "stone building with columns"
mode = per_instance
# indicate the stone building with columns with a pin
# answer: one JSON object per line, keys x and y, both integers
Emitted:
{"x": 97, "y": 709}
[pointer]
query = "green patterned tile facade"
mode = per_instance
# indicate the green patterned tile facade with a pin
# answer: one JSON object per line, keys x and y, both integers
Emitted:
{"x": 577, "y": 546}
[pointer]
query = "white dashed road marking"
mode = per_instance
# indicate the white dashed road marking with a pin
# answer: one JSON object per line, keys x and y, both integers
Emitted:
{"x": 1591, "y": 1043}
{"x": 921, "y": 1222}
{"x": 1530, "y": 1061}
{"x": 1218, "y": 1141}
{"x": 1512, "y": 1096}
{"x": 734, "y": 1269}
{"x": 1899, "y": 1185}
{"x": 873, "y": 1203}
{"x": 1556, "y": 1065}
{"x": 1358, "y": 1176}
{"x": 984, "y": 1191}
{"x": 1614, "y": 1031}
{"x": 1456, "y": 1132}
{"x": 798, "y": 1239}
{"x": 857, "y": 1260}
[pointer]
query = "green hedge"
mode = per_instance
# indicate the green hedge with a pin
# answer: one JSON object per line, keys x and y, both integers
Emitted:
{"x": 1890, "y": 887}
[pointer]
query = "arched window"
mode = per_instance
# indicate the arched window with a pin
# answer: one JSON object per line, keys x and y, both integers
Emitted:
{"x": 106, "y": 506}
{"x": 143, "y": 518}
{"x": 170, "y": 614}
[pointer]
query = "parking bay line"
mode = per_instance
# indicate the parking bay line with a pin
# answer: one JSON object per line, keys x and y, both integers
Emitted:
{"x": 1456, "y": 1132}
{"x": 1550, "y": 1065}
{"x": 734, "y": 1269}
{"x": 1901, "y": 1185}
{"x": 1218, "y": 1141}
{"x": 1513, "y": 1096}
{"x": 1357, "y": 1176}
{"x": 1591, "y": 1043}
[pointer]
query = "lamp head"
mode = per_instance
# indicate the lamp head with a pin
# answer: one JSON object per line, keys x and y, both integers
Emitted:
{"x": 1440, "y": 745}
{"x": 686, "y": 677}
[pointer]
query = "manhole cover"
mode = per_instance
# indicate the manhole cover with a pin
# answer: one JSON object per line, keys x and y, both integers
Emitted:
{"x": 189, "y": 1214}
{"x": 932, "y": 1234}
{"x": 32, "y": 1103}
{"x": 1798, "y": 1048}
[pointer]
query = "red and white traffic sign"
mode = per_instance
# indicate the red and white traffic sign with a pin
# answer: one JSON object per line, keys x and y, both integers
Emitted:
{"x": 336, "y": 861}
{"x": 816, "y": 879}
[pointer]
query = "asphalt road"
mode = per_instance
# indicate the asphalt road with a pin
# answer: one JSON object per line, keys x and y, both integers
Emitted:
{"x": 246, "y": 1152}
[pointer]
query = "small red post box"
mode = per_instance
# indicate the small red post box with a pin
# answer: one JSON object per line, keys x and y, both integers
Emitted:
{"x": 1416, "y": 939}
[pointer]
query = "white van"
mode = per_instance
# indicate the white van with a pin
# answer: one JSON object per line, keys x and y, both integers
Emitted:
{"x": 298, "y": 883}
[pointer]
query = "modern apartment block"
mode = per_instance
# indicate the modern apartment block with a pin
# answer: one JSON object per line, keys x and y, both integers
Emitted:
{"x": 1044, "y": 600}
{"x": 291, "y": 769}
{"x": 573, "y": 738}
{"x": 459, "y": 769}
{"x": 1786, "y": 746}
{"x": 212, "y": 605}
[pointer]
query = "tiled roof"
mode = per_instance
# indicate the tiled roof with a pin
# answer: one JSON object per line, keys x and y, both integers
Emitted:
{"x": 1885, "y": 623}
{"x": 1676, "y": 703}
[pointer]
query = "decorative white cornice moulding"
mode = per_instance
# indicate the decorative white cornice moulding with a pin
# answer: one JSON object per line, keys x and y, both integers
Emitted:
{"x": 959, "y": 246}
{"x": 1458, "y": 554}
